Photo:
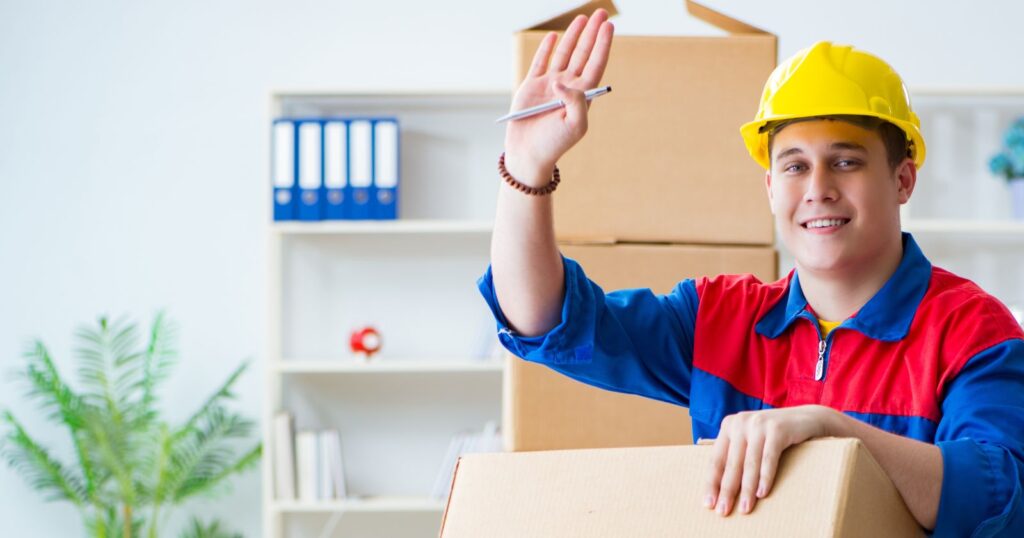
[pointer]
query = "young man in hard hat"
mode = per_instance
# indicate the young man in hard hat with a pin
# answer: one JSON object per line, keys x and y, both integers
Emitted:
{"x": 864, "y": 339}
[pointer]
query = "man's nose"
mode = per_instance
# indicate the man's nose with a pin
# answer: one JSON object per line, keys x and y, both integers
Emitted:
{"x": 821, "y": 185}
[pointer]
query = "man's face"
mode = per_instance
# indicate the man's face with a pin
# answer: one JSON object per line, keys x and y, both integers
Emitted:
{"x": 835, "y": 198}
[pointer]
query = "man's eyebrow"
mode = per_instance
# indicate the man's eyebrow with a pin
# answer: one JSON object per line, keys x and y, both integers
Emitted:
{"x": 788, "y": 152}
{"x": 848, "y": 145}
{"x": 834, "y": 146}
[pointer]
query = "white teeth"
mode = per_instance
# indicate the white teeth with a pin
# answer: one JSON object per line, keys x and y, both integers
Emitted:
{"x": 825, "y": 223}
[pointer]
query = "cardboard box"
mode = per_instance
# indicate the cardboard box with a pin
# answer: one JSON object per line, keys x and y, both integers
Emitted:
{"x": 545, "y": 410}
{"x": 663, "y": 160}
{"x": 825, "y": 487}
{"x": 661, "y": 267}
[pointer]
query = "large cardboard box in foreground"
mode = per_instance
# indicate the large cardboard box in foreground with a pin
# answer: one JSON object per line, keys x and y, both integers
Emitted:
{"x": 825, "y": 487}
{"x": 663, "y": 160}
{"x": 545, "y": 410}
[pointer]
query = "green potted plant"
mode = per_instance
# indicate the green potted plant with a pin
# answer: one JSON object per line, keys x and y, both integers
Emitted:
{"x": 1009, "y": 164}
{"x": 131, "y": 466}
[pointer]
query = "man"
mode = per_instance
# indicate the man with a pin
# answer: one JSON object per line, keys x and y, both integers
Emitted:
{"x": 863, "y": 339}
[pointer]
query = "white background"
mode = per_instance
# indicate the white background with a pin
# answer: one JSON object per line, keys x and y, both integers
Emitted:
{"x": 133, "y": 159}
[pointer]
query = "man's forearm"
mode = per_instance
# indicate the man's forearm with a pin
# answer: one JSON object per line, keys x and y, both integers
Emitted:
{"x": 913, "y": 466}
{"x": 526, "y": 265}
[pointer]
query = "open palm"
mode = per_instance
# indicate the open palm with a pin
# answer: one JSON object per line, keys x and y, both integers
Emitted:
{"x": 576, "y": 65}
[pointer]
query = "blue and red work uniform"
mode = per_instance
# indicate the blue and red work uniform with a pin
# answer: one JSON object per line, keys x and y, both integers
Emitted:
{"x": 930, "y": 356}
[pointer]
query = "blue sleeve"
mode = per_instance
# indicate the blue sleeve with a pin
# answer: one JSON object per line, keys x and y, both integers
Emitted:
{"x": 981, "y": 436}
{"x": 630, "y": 341}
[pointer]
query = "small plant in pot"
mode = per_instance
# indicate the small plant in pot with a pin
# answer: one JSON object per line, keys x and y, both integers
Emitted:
{"x": 131, "y": 466}
{"x": 1010, "y": 165}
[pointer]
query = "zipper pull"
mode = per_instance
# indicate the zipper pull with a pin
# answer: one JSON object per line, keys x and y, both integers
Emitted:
{"x": 819, "y": 368}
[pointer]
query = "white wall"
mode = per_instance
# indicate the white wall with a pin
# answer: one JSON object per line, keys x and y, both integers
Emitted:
{"x": 133, "y": 151}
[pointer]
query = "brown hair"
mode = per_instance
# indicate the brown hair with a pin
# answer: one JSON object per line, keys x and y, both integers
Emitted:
{"x": 897, "y": 145}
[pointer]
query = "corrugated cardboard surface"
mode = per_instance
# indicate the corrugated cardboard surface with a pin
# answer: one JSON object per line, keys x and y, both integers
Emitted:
{"x": 544, "y": 410}
{"x": 661, "y": 267}
{"x": 825, "y": 487}
{"x": 663, "y": 159}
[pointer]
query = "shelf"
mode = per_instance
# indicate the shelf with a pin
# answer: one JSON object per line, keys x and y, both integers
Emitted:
{"x": 397, "y": 227}
{"x": 1003, "y": 228}
{"x": 320, "y": 103}
{"x": 366, "y": 505}
{"x": 387, "y": 366}
{"x": 414, "y": 276}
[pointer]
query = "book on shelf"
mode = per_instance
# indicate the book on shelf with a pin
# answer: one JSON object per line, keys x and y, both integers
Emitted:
{"x": 332, "y": 469}
{"x": 325, "y": 484}
{"x": 308, "y": 464}
{"x": 487, "y": 440}
{"x": 284, "y": 457}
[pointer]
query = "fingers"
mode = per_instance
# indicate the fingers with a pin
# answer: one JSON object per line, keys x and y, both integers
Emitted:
{"x": 745, "y": 459}
{"x": 731, "y": 476}
{"x": 719, "y": 456}
{"x": 773, "y": 447}
{"x": 575, "y": 107}
{"x": 746, "y": 454}
{"x": 598, "y": 58}
{"x": 543, "y": 54}
{"x": 586, "y": 42}
{"x": 751, "y": 473}
{"x": 567, "y": 44}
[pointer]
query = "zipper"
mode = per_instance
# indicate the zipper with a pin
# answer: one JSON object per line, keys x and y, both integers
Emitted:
{"x": 819, "y": 367}
{"x": 823, "y": 345}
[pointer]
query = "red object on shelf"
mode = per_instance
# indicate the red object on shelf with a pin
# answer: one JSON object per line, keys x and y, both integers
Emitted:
{"x": 365, "y": 341}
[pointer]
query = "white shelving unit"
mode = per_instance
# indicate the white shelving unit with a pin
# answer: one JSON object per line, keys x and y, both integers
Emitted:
{"x": 300, "y": 366}
{"x": 414, "y": 280}
{"x": 422, "y": 227}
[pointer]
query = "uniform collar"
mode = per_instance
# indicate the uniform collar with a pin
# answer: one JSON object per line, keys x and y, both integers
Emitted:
{"x": 886, "y": 316}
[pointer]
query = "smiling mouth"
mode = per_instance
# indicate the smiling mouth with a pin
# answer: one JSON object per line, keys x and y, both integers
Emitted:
{"x": 818, "y": 224}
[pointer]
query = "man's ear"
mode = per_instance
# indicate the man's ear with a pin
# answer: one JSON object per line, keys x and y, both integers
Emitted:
{"x": 768, "y": 187}
{"x": 906, "y": 180}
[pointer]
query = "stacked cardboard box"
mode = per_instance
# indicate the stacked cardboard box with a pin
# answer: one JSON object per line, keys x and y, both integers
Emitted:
{"x": 660, "y": 189}
{"x": 545, "y": 410}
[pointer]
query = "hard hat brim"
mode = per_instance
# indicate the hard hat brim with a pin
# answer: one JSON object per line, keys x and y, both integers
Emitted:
{"x": 757, "y": 142}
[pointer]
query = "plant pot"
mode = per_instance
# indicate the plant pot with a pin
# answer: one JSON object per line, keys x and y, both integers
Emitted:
{"x": 1017, "y": 197}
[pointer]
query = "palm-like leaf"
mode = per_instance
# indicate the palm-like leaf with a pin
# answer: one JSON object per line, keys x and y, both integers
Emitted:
{"x": 42, "y": 470}
{"x": 203, "y": 453}
{"x": 64, "y": 406}
{"x": 112, "y": 372}
{"x": 212, "y": 403}
{"x": 108, "y": 364}
{"x": 218, "y": 475}
{"x": 62, "y": 403}
{"x": 160, "y": 358}
{"x": 215, "y": 473}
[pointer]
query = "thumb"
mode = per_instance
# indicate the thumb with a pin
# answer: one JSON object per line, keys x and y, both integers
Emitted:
{"x": 575, "y": 105}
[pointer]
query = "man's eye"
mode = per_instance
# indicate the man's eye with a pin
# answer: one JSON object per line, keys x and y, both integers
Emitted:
{"x": 793, "y": 168}
{"x": 847, "y": 163}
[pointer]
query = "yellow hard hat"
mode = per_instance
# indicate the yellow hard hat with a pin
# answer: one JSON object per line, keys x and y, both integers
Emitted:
{"x": 828, "y": 80}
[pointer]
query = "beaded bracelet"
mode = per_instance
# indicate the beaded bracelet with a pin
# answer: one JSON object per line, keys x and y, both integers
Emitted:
{"x": 526, "y": 189}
